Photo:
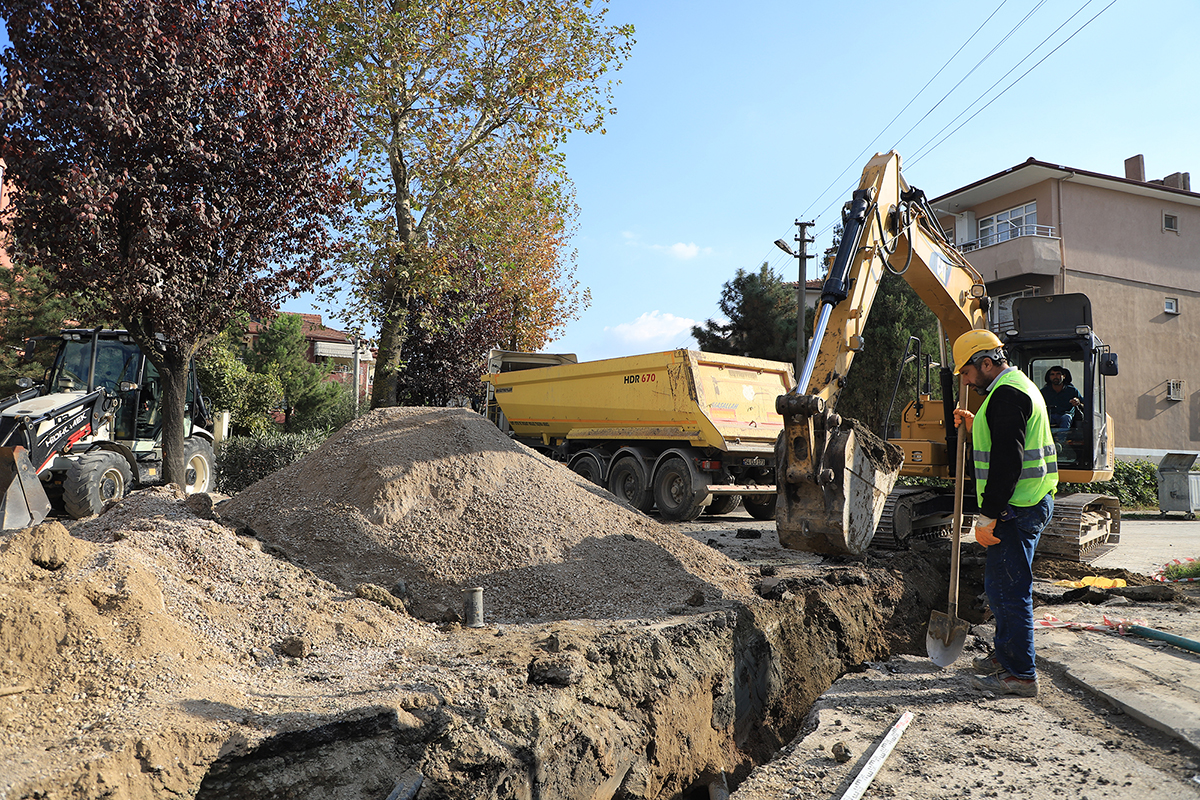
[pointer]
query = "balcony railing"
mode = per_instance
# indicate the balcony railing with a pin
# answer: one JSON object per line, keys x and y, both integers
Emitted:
{"x": 1011, "y": 232}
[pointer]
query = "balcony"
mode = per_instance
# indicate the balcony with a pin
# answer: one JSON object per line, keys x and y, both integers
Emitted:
{"x": 1015, "y": 251}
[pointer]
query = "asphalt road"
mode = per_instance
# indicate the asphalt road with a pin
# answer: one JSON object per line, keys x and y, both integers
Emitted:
{"x": 1147, "y": 544}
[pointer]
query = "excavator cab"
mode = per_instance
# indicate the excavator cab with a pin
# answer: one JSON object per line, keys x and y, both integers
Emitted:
{"x": 1054, "y": 334}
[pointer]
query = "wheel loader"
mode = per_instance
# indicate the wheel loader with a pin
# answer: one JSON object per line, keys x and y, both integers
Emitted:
{"x": 837, "y": 481}
{"x": 91, "y": 430}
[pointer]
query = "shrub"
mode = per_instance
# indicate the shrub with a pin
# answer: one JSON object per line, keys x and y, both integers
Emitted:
{"x": 243, "y": 460}
{"x": 1134, "y": 483}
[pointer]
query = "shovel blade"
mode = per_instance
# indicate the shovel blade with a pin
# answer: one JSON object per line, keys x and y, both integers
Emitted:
{"x": 945, "y": 638}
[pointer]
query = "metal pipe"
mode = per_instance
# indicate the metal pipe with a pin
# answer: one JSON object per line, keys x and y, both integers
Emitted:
{"x": 810, "y": 362}
{"x": 473, "y": 607}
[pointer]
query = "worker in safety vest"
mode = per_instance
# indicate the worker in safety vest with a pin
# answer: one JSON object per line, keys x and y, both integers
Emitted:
{"x": 1015, "y": 476}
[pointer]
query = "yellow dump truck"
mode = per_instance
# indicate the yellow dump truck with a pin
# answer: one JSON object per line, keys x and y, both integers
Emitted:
{"x": 684, "y": 431}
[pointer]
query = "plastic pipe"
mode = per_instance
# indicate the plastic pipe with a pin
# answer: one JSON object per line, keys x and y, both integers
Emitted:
{"x": 871, "y": 768}
{"x": 1163, "y": 636}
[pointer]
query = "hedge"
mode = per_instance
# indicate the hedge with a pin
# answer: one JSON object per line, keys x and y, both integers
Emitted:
{"x": 243, "y": 460}
{"x": 1134, "y": 484}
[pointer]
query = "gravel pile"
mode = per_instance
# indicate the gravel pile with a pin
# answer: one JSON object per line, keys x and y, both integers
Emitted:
{"x": 432, "y": 501}
{"x": 149, "y": 619}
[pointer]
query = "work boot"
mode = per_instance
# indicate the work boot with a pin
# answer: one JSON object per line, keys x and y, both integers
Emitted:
{"x": 986, "y": 665}
{"x": 1004, "y": 683}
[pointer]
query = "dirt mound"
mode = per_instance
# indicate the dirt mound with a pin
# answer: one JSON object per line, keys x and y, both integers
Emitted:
{"x": 439, "y": 500}
{"x": 143, "y": 636}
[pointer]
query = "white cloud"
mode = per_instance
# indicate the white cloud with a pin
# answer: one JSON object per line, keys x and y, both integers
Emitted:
{"x": 653, "y": 326}
{"x": 683, "y": 252}
{"x": 679, "y": 250}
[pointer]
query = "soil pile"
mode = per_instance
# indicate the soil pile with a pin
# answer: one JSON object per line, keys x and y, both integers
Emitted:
{"x": 137, "y": 642}
{"x": 431, "y": 501}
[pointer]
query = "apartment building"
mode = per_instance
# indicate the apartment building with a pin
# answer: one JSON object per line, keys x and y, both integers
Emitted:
{"x": 1132, "y": 246}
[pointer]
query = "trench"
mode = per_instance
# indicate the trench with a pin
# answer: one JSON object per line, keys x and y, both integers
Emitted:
{"x": 703, "y": 700}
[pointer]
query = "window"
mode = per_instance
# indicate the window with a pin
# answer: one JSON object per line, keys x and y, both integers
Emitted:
{"x": 1001, "y": 309}
{"x": 1175, "y": 390}
{"x": 1019, "y": 221}
{"x": 1171, "y": 305}
{"x": 1170, "y": 223}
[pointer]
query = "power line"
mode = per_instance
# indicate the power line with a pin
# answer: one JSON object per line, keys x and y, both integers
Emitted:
{"x": 1015, "y": 82}
{"x": 858, "y": 158}
{"x": 978, "y": 64}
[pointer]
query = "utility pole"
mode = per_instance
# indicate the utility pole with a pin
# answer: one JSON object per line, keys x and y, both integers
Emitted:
{"x": 801, "y": 254}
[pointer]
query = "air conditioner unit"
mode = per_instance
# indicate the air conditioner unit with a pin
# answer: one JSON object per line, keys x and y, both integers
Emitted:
{"x": 1175, "y": 390}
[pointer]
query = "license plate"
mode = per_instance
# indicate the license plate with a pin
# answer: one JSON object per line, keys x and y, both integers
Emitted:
{"x": 754, "y": 462}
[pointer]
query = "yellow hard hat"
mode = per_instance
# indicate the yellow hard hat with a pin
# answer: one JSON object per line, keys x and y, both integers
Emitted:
{"x": 971, "y": 344}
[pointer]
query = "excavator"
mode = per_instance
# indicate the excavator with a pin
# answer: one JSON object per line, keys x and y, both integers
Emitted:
{"x": 836, "y": 480}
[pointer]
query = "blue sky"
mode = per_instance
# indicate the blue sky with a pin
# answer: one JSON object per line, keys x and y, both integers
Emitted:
{"x": 736, "y": 119}
{"x": 732, "y": 124}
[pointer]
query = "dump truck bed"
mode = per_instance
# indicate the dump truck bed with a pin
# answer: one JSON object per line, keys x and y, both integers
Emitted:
{"x": 706, "y": 399}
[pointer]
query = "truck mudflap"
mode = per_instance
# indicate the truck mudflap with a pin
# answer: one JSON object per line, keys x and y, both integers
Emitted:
{"x": 23, "y": 502}
{"x": 834, "y": 478}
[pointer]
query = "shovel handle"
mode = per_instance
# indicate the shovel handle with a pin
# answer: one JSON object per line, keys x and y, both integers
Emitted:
{"x": 960, "y": 469}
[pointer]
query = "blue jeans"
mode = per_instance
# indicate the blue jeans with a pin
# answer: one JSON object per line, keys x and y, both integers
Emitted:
{"x": 1008, "y": 581}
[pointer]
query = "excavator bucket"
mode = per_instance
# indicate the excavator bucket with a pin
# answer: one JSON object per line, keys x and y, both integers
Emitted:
{"x": 23, "y": 502}
{"x": 834, "y": 479}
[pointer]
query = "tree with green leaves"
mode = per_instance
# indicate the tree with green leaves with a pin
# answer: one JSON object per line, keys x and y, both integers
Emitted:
{"x": 281, "y": 350}
{"x": 760, "y": 309}
{"x": 30, "y": 305}
{"x": 229, "y": 385}
{"x": 173, "y": 162}
{"x": 449, "y": 92}
{"x": 896, "y": 314}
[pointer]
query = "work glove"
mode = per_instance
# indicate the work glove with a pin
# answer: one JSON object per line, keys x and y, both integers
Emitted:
{"x": 985, "y": 530}
{"x": 963, "y": 417}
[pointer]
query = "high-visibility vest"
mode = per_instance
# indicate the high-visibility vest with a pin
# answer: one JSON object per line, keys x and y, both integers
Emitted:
{"x": 1039, "y": 465}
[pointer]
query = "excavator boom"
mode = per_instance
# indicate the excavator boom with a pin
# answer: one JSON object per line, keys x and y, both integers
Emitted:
{"x": 834, "y": 476}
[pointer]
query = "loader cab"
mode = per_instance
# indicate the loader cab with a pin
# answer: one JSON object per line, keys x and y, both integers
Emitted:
{"x": 122, "y": 369}
{"x": 1054, "y": 334}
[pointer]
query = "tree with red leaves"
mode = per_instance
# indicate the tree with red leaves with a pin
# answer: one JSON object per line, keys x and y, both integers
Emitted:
{"x": 175, "y": 161}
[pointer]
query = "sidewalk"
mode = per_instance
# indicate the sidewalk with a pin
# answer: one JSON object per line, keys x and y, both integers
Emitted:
{"x": 1148, "y": 544}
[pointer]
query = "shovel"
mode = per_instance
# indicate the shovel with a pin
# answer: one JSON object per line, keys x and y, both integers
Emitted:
{"x": 947, "y": 633}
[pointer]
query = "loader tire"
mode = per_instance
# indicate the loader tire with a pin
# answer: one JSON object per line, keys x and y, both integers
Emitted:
{"x": 93, "y": 480}
{"x": 627, "y": 480}
{"x": 198, "y": 462}
{"x": 673, "y": 492}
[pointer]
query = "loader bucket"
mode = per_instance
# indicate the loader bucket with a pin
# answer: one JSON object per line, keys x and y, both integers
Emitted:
{"x": 832, "y": 503}
{"x": 23, "y": 502}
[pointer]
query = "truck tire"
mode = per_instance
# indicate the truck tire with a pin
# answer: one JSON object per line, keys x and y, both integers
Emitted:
{"x": 722, "y": 504}
{"x": 673, "y": 492}
{"x": 587, "y": 466}
{"x": 760, "y": 506}
{"x": 627, "y": 480}
{"x": 94, "y": 479}
{"x": 198, "y": 464}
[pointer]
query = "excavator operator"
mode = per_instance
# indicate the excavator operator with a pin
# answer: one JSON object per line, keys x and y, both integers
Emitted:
{"x": 1016, "y": 472}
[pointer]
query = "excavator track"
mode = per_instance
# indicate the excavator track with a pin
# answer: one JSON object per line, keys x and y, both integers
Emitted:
{"x": 901, "y": 524}
{"x": 1084, "y": 526}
